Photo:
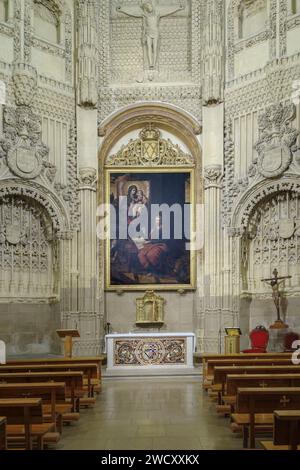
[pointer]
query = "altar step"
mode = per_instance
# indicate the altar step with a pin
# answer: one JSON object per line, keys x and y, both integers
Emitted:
{"x": 163, "y": 371}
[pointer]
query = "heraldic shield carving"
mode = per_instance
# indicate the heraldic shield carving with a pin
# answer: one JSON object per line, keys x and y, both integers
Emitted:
{"x": 277, "y": 137}
{"x": 25, "y": 161}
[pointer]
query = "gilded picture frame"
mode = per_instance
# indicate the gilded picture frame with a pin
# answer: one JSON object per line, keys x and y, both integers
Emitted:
{"x": 158, "y": 254}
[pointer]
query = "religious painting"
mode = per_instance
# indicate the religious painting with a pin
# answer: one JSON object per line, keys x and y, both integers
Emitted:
{"x": 150, "y": 226}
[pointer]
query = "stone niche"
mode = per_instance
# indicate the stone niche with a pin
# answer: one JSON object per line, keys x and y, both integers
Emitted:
{"x": 29, "y": 267}
{"x": 179, "y": 306}
{"x": 30, "y": 329}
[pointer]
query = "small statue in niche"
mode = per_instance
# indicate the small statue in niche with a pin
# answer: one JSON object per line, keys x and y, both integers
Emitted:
{"x": 151, "y": 14}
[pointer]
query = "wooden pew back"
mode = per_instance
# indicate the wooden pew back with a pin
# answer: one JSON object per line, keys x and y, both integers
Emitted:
{"x": 73, "y": 382}
{"x": 97, "y": 360}
{"x": 22, "y": 410}
{"x": 46, "y": 391}
{"x": 88, "y": 369}
{"x": 287, "y": 428}
{"x": 246, "y": 362}
{"x": 266, "y": 400}
{"x": 235, "y": 381}
{"x": 243, "y": 356}
{"x": 69, "y": 378}
{"x": 220, "y": 373}
{"x": 262, "y": 401}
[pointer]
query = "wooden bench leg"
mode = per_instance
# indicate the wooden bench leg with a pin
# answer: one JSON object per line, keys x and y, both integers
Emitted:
{"x": 245, "y": 436}
{"x": 40, "y": 443}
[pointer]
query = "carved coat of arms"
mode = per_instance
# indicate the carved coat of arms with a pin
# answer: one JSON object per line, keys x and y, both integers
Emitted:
{"x": 25, "y": 161}
{"x": 277, "y": 136}
{"x": 26, "y": 154}
{"x": 286, "y": 228}
{"x": 13, "y": 233}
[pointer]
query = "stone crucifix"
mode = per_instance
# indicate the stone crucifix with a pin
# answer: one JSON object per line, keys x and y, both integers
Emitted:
{"x": 275, "y": 282}
{"x": 151, "y": 14}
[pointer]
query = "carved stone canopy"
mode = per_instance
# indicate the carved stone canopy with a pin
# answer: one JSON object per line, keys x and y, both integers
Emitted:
{"x": 150, "y": 150}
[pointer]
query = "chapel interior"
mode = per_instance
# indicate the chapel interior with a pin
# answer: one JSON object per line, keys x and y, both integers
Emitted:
{"x": 150, "y": 224}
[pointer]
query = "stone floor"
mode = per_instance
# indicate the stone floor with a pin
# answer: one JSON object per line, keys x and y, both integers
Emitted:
{"x": 150, "y": 413}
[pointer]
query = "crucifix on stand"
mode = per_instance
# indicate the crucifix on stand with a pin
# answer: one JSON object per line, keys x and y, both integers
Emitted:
{"x": 275, "y": 282}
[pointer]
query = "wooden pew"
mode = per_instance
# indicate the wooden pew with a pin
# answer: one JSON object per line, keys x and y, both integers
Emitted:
{"x": 3, "y": 439}
{"x": 25, "y": 420}
{"x": 244, "y": 362}
{"x": 255, "y": 406}
{"x": 97, "y": 360}
{"x": 205, "y": 357}
{"x": 286, "y": 435}
{"x": 220, "y": 373}
{"x": 235, "y": 381}
{"x": 89, "y": 370}
{"x": 73, "y": 382}
{"x": 51, "y": 393}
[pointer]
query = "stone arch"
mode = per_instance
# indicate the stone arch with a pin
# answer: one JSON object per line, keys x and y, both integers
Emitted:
{"x": 114, "y": 129}
{"x": 52, "y": 205}
{"x": 247, "y": 203}
{"x": 163, "y": 115}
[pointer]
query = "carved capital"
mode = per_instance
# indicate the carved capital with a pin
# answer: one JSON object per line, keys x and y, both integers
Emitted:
{"x": 213, "y": 175}
{"x": 87, "y": 178}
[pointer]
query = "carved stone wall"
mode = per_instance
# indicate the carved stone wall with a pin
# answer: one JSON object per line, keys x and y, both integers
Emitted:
{"x": 176, "y": 79}
{"x": 261, "y": 166}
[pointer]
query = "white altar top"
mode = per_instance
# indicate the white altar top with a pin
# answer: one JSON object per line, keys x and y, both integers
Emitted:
{"x": 128, "y": 351}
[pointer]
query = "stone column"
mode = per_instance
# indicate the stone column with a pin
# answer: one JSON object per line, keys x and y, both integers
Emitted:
{"x": 212, "y": 257}
{"x": 87, "y": 53}
{"x": 212, "y": 52}
{"x": 213, "y": 142}
{"x": 86, "y": 317}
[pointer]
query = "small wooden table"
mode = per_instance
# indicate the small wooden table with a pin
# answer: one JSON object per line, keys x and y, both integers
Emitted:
{"x": 68, "y": 335}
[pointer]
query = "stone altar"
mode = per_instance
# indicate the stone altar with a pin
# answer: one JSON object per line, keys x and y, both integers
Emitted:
{"x": 150, "y": 351}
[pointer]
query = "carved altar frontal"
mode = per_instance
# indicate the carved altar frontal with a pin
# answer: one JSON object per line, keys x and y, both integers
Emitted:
{"x": 150, "y": 350}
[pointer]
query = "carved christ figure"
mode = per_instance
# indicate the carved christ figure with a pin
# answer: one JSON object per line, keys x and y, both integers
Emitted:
{"x": 151, "y": 14}
{"x": 275, "y": 282}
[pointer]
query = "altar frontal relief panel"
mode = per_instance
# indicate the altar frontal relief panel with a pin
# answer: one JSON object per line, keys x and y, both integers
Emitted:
{"x": 153, "y": 350}
{"x": 150, "y": 351}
